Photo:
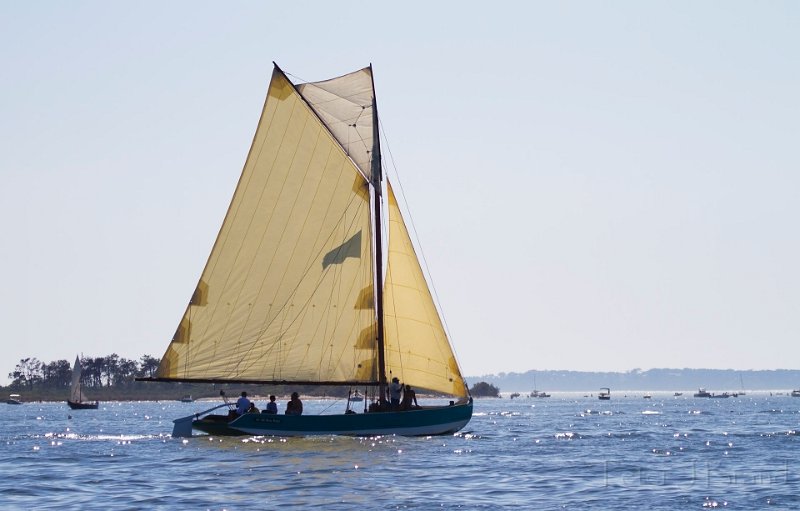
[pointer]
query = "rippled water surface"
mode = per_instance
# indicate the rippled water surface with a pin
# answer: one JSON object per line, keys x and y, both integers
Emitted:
{"x": 567, "y": 451}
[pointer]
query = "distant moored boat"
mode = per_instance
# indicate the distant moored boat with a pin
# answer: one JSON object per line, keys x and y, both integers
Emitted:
{"x": 75, "y": 400}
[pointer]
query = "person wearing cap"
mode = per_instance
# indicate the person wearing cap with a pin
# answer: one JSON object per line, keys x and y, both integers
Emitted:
{"x": 395, "y": 389}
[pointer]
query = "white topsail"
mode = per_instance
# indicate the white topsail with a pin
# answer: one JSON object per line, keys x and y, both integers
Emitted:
{"x": 345, "y": 105}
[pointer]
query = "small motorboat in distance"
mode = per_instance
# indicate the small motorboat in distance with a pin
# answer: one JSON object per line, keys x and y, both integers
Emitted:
{"x": 14, "y": 399}
{"x": 187, "y": 399}
{"x": 796, "y": 393}
{"x": 604, "y": 394}
{"x": 704, "y": 393}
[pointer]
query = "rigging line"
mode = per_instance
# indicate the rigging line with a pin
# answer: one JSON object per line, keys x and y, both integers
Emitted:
{"x": 334, "y": 402}
{"x": 299, "y": 79}
{"x": 419, "y": 242}
{"x": 303, "y": 81}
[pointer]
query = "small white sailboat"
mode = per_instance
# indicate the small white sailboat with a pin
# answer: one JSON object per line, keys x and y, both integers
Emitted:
{"x": 76, "y": 397}
{"x": 295, "y": 291}
{"x": 741, "y": 384}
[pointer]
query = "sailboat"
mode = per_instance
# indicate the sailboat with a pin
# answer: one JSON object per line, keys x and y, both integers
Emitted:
{"x": 537, "y": 393}
{"x": 294, "y": 291}
{"x": 75, "y": 400}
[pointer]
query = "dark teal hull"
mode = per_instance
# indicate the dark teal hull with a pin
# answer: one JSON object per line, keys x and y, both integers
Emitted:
{"x": 83, "y": 405}
{"x": 425, "y": 421}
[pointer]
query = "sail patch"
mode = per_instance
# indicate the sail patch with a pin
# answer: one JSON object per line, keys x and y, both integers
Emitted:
{"x": 350, "y": 248}
{"x": 182, "y": 332}
{"x": 365, "y": 300}
{"x": 367, "y": 339}
{"x": 200, "y": 295}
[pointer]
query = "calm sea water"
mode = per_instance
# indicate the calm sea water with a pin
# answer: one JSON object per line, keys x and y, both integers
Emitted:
{"x": 567, "y": 451}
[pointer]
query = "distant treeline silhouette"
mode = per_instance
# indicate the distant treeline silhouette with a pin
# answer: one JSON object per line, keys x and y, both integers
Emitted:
{"x": 109, "y": 371}
{"x": 652, "y": 379}
{"x": 483, "y": 389}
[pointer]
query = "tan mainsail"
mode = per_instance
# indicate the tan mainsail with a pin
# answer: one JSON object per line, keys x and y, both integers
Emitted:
{"x": 282, "y": 294}
{"x": 417, "y": 348}
{"x": 287, "y": 293}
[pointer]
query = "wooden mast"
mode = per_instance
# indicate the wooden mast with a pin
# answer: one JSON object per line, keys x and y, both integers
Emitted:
{"x": 376, "y": 174}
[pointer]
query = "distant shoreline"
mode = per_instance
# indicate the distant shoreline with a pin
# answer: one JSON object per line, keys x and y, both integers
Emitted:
{"x": 652, "y": 380}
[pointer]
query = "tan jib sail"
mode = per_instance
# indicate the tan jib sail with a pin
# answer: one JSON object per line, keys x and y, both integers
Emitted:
{"x": 286, "y": 294}
{"x": 417, "y": 348}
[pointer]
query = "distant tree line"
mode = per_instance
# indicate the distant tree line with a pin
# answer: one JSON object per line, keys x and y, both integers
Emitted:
{"x": 660, "y": 379}
{"x": 109, "y": 371}
{"x": 483, "y": 389}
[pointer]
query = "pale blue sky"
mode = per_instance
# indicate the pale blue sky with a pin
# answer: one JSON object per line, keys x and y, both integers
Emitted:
{"x": 596, "y": 185}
